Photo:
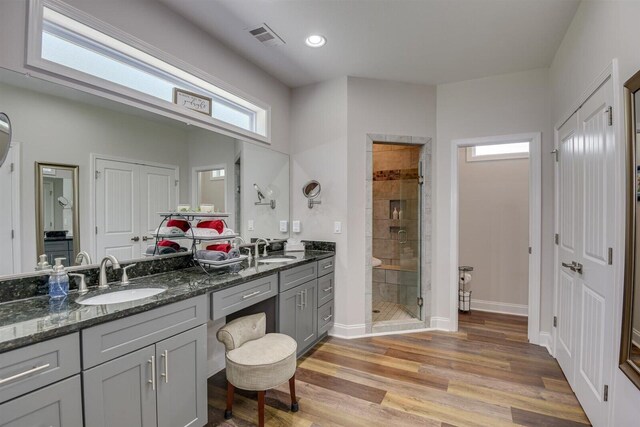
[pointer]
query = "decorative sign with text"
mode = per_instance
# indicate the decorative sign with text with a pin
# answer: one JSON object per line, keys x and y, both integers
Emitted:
{"x": 192, "y": 101}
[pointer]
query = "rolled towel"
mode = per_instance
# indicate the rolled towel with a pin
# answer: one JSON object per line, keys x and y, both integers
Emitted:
{"x": 211, "y": 255}
{"x": 204, "y": 232}
{"x": 169, "y": 231}
{"x": 234, "y": 253}
{"x": 180, "y": 223}
{"x": 223, "y": 247}
{"x": 228, "y": 232}
{"x": 169, "y": 243}
{"x": 215, "y": 224}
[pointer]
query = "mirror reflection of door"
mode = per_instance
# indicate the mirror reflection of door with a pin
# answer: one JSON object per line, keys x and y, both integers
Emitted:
{"x": 634, "y": 353}
{"x": 212, "y": 188}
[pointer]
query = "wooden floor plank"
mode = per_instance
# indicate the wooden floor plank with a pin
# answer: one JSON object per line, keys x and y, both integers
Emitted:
{"x": 486, "y": 374}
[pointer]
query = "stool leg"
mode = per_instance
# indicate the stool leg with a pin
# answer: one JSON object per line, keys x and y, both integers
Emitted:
{"x": 230, "y": 389}
{"x": 292, "y": 391}
{"x": 261, "y": 408}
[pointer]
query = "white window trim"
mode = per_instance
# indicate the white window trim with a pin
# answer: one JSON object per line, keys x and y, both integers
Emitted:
{"x": 473, "y": 157}
{"x": 104, "y": 88}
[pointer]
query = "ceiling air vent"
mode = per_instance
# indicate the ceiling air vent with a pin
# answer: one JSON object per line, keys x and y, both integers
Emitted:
{"x": 265, "y": 35}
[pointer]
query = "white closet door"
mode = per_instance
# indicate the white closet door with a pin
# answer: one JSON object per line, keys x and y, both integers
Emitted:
{"x": 157, "y": 194}
{"x": 569, "y": 191}
{"x": 117, "y": 209}
{"x": 596, "y": 234}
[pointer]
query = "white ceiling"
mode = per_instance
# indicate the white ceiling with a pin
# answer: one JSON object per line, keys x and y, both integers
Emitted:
{"x": 419, "y": 41}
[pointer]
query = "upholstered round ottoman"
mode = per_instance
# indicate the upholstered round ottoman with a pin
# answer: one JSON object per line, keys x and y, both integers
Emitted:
{"x": 257, "y": 361}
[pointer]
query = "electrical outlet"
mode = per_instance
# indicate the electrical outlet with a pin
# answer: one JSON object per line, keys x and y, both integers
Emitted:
{"x": 337, "y": 227}
{"x": 284, "y": 226}
{"x": 296, "y": 226}
{"x": 250, "y": 225}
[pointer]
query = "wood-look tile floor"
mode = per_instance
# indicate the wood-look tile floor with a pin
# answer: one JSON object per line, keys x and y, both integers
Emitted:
{"x": 484, "y": 375}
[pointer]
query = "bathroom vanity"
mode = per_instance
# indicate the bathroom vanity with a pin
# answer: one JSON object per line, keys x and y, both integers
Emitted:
{"x": 144, "y": 362}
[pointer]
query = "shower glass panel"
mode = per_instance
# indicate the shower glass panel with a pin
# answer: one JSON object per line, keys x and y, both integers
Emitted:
{"x": 396, "y": 232}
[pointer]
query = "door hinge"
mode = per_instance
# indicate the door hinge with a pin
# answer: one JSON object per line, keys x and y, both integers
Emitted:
{"x": 96, "y": 230}
{"x": 556, "y": 153}
{"x": 555, "y": 321}
{"x": 609, "y": 112}
{"x": 529, "y": 250}
{"x": 557, "y": 238}
{"x": 12, "y": 167}
{"x": 610, "y": 259}
{"x": 98, "y": 174}
{"x": 420, "y": 301}
{"x": 13, "y": 234}
{"x": 605, "y": 397}
{"x": 176, "y": 183}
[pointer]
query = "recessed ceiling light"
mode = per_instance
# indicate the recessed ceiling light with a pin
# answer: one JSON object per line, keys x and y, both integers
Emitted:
{"x": 315, "y": 40}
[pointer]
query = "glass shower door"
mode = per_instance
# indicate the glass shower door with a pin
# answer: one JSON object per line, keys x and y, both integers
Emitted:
{"x": 409, "y": 236}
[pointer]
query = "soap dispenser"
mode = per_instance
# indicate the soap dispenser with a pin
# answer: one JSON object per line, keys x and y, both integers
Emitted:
{"x": 58, "y": 281}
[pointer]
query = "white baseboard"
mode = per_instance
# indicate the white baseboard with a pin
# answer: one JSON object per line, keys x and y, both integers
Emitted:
{"x": 546, "y": 341}
{"x": 348, "y": 331}
{"x": 440, "y": 323}
{"x": 635, "y": 337}
{"x": 500, "y": 307}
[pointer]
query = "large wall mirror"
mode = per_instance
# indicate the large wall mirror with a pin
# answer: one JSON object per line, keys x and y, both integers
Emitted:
{"x": 94, "y": 173}
{"x": 57, "y": 221}
{"x": 630, "y": 342}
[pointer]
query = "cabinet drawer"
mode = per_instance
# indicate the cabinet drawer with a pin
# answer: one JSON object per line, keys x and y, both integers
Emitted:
{"x": 110, "y": 340}
{"x": 325, "y": 289}
{"x": 325, "y": 318}
{"x": 28, "y": 368}
{"x": 238, "y": 297}
{"x": 59, "y": 404}
{"x": 298, "y": 275}
{"x": 326, "y": 266}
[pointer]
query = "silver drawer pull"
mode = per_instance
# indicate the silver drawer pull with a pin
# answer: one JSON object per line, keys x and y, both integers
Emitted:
{"x": 327, "y": 289}
{"x": 309, "y": 337}
{"x": 328, "y": 317}
{"x": 328, "y": 266}
{"x": 152, "y": 381}
{"x": 24, "y": 374}
{"x": 252, "y": 294}
{"x": 165, "y": 374}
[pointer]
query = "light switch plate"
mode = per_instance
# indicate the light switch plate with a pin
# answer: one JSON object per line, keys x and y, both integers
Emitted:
{"x": 284, "y": 226}
{"x": 295, "y": 226}
{"x": 250, "y": 225}
{"x": 337, "y": 227}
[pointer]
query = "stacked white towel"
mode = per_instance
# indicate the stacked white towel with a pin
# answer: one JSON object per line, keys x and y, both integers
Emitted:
{"x": 203, "y": 233}
{"x": 168, "y": 231}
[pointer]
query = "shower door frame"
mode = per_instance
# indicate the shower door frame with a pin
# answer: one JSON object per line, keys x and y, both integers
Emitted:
{"x": 425, "y": 228}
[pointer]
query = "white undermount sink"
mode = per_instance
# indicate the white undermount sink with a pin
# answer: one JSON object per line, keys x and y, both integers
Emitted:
{"x": 118, "y": 297}
{"x": 275, "y": 259}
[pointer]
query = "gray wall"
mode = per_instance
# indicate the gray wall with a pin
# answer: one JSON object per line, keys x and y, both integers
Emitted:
{"x": 494, "y": 227}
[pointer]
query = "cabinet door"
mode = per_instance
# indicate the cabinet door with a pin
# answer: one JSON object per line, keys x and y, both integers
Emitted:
{"x": 122, "y": 392}
{"x": 288, "y": 305}
{"x": 57, "y": 405}
{"x": 307, "y": 316}
{"x": 182, "y": 379}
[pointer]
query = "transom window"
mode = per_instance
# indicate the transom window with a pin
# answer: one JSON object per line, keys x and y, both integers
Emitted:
{"x": 515, "y": 150}
{"x": 67, "y": 42}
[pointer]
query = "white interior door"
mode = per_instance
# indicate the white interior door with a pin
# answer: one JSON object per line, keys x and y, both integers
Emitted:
{"x": 596, "y": 234}
{"x": 47, "y": 196}
{"x": 6, "y": 213}
{"x": 585, "y": 277}
{"x": 157, "y": 194}
{"x": 117, "y": 209}
{"x": 568, "y": 195}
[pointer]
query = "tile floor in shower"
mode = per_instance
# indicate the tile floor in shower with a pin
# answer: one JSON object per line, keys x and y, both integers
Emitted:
{"x": 383, "y": 311}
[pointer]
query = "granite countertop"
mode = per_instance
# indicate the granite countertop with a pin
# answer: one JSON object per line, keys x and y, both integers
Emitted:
{"x": 27, "y": 321}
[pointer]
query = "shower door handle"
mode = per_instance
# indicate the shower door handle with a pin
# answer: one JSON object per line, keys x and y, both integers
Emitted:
{"x": 402, "y": 236}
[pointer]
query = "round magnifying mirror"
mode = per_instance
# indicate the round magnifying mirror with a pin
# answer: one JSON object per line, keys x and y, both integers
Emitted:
{"x": 5, "y": 137}
{"x": 311, "y": 189}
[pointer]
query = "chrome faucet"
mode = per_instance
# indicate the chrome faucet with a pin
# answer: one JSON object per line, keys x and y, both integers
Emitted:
{"x": 83, "y": 255}
{"x": 102, "y": 281}
{"x": 257, "y": 242}
{"x": 234, "y": 244}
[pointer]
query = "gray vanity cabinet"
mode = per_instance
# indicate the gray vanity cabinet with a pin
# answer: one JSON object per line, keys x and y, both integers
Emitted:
{"x": 298, "y": 314}
{"x": 122, "y": 392}
{"x": 57, "y": 405}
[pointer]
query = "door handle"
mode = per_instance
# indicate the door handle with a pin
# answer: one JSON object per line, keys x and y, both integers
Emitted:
{"x": 135, "y": 239}
{"x": 577, "y": 267}
{"x": 145, "y": 238}
{"x": 301, "y": 305}
{"x": 152, "y": 381}
{"x": 165, "y": 358}
{"x": 569, "y": 266}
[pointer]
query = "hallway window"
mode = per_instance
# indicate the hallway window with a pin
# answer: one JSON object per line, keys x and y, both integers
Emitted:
{"x": 515, "y": 150}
